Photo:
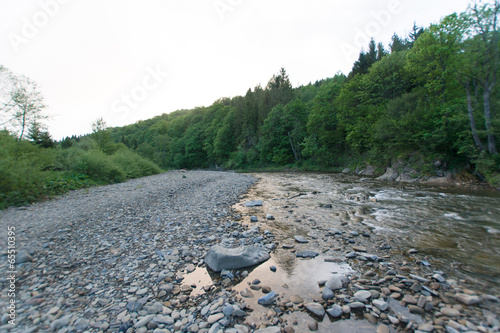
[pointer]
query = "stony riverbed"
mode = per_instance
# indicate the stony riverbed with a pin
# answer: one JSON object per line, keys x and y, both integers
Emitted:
{"x": 129, "y": 258}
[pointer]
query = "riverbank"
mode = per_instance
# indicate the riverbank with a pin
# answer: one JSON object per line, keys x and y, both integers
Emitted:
{"x": 129, "y": 257}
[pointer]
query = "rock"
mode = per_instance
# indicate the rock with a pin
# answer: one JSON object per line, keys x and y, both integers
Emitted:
{"x": 301, "y": 239}
{"x": 228, "y": 310}
{"x": 296, "y": 299}
{"x": 254, "y": 219}
{"x": 269, "y": 329}
{"x": 269, "y": 217}
{"x": 215, "y": 317}
{"x": 23, "y": 256}
{"x": 359, "y": 248}
{"x": 426, "y": 327}
{"x": 219, "y": 258}
{"x": 266, "y": 289}
{"x": 253, "y": 203}
{"x": 467, "y": 299}
{"x": 60, "y": 323}
{"x": 363, "y": 295}
{"x": 356, "y": 306}
{"x": 81, "y": 324}
{"x": 268, "y": 299}
{"x": 371, "y": 318}
{"x": 273, "y": 268}
{"x": 415, "y": 309}
{"x": 390, "y": 174}
{"x": 316, "y": 309}
{"x": 380, "y": 304}
{"x": 409, "y": 299}
{"x": 144, "y": 321}
{"x": 327, "y": 294}
{"x": 450, "y": 312}
{"x": 312, "y": 325}
{"x": 382, "y": 329}
{"x": 307, "y": 254}
{"x": 337, "y": 282}
{"x": 335, "y": 311}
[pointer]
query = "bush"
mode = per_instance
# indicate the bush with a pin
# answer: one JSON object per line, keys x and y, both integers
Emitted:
{"x": 134, "y": 165}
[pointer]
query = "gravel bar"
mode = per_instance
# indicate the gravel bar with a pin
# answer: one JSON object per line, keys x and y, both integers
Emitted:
{"x": 108, "y": 259}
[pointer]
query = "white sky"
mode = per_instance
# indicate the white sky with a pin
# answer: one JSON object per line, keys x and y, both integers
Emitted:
{"x": 93, "y": 58}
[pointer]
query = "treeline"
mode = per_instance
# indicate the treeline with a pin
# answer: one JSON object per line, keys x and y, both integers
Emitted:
{"x": 429, "y": 96}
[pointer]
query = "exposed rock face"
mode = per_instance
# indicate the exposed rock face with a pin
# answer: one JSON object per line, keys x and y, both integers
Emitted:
{"x": 219, "y": 257}
{"x": 390, "y": 174}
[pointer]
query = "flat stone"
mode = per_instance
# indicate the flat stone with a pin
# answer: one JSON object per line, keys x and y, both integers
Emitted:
{"x": 144, "y": 321}
{"x": 316, "y": 309}
{"x": 382, "y": 328}
{"x": 219, "y": 258}
{"x": 269, "y": 329}
{"x": 363, "y": 294}
{"x": 215, "y": 317}
{"x": 60, "y": 323}
{"x": 23, "y": 256}
{"x": 426, "y": 327}
{"x": 254, "y": 219}
{"x": 359, "y": 248}
{"x": 356, "y": 306}
{"x": 246, "y": 293}
{"x": 253, "y": 203}
{"x": 409, "y": 299}
{"x": 450, "y": 312}
{"x": 307, "y": 254}
{"x": 301, "y": 239}
{"x": 467, "y": 299}
{"x": 296, "y": 299}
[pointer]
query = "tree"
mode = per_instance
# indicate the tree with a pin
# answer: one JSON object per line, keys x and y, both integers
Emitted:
{"x": 21, "y": 103}
{"x": 484, "y": 62}
{"x": 40, "y": 137}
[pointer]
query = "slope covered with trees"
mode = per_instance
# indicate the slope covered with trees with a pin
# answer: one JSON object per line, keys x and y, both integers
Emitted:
{"x": 430, "y": 96}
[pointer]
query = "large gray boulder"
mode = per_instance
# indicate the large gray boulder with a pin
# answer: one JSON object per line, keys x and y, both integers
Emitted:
{"x": 219, "y": 257}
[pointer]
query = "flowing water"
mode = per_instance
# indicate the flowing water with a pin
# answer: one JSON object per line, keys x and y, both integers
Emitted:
{"x": 456, "y": 230}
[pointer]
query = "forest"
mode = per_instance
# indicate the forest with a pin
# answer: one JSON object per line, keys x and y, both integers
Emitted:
{"x": 429, "y": 96}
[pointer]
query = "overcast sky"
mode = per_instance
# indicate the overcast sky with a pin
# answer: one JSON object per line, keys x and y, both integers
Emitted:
{"x": 130, "y": 60}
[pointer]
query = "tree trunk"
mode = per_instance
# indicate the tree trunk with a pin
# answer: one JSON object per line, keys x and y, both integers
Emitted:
{"x": 492, "y": 149}
{"x": 470, "y": 110}
{"x": 293, "y": 148}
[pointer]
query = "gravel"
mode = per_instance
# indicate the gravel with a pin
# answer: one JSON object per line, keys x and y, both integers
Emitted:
{"x": 109, "y": 258}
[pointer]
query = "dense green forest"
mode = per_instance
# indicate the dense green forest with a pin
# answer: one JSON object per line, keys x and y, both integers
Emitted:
{"x": 429, "y": 96}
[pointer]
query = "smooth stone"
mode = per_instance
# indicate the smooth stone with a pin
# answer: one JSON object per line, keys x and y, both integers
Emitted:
{"x": 254, "y": 219}
{"x": 296, "y": 299}
{"x": 268, "y": 298}
{"x": 301, "y": 239}
{"x": 359, "y": 248}
{"x": 316, "y": 309}
{"x": 335, "y": 311}
{"x": 467, "y": 299}
{"x": 246, "y": 293}
{"x": 144, "y": 321}
{"x": 219, "y": 258}
{"x": 380, "y": 304}
{"x": 327, "y": 294}
{"x": 60, "y": 323}
{"x": 337, "y": 282}
{"x": 371, "y": 318}
{"x": 450, "y": 312}
{"x": 269, "y": 217}
{"x": 215, "y": 317}
{"x": 312, "y": 325}
{"x": 23, "y": 256}
{"x": 426, "y": 327}
{"x": 382, "y": 328}
{"x": 415, "y": 309}
{"x": 81, "y": 324}
{"x": 409, "y": 299}
{"x": 253, "y": 203}
{"x": 356, "y": 306}
{"x": 269, "y": 329}
{"x": 307, "y": 254}
{"x": 363, "y": 294}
